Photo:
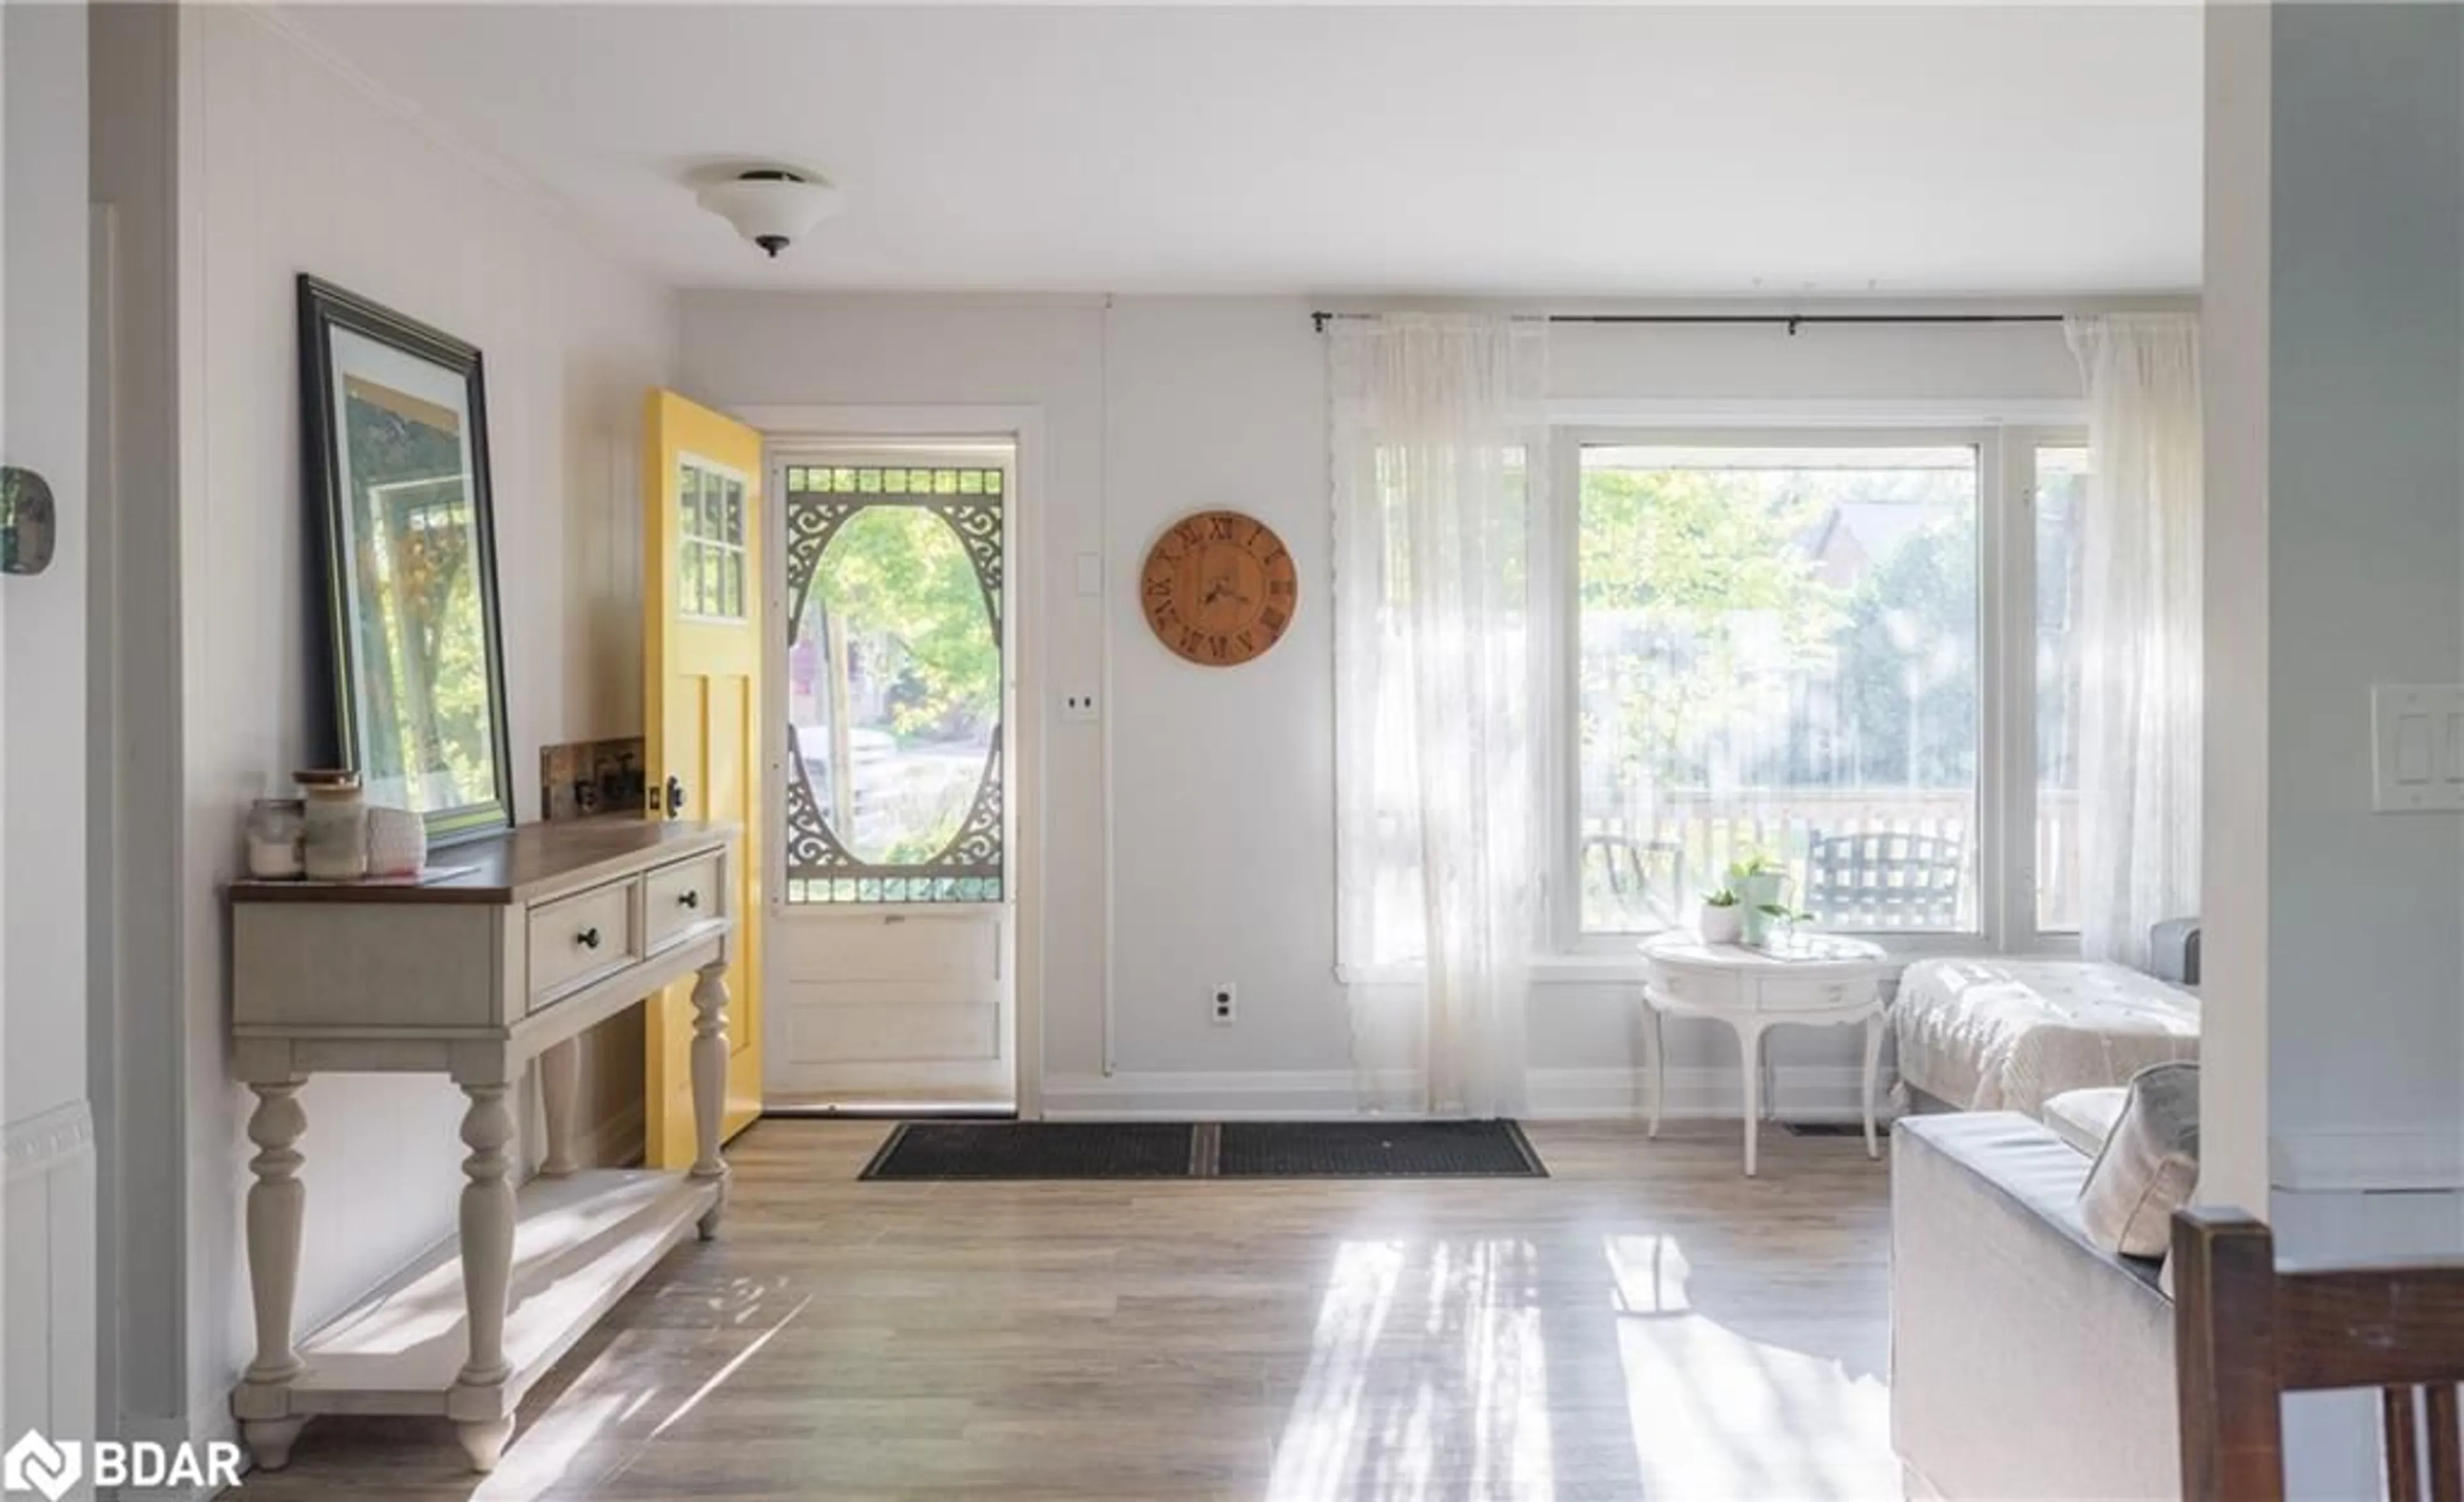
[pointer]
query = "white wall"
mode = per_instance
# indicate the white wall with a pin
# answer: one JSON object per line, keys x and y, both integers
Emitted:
{"x": 1204, "y": 801}
{"x": 2335, "y": 555}
{"x": 287, "y": 165}
{"x": 47, "y": 1223}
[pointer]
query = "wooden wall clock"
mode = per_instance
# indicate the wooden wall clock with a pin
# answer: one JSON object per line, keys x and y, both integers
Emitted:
{"x": 1220, "y": 588}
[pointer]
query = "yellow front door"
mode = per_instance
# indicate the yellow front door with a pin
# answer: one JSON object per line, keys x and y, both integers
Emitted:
{"x": 701, "y": 707}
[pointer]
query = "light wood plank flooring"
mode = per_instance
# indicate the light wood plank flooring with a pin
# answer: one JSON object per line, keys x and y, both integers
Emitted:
{"x": 1646, "y": 1324}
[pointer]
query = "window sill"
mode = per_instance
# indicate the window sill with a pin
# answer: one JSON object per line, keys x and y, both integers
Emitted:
{"x": 1615, "y": 961}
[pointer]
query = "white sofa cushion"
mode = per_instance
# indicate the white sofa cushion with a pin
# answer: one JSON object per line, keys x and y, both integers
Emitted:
{"x": 2149, "y": 1165}
{"x": 2010, "y": 1034}
{"x": 2084, "y": 1118}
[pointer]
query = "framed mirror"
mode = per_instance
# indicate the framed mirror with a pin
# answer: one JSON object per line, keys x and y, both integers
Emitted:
{"x": 396, "y": 420}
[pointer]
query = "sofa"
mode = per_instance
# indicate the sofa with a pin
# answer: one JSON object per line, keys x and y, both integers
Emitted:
{"x": 2011, "y": 1035}
{"x": 2025, "y": 1360}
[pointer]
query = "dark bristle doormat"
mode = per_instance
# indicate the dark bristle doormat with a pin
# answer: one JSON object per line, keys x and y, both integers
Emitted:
{"x": 1018, "y": 1150}
{"x": 1021, "y": 1150}
{"x": 1377, "y": 1150}
{"x": 1823, "y": 1128}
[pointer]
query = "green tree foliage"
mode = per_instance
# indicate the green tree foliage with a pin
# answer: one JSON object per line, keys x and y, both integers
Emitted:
{"x": 912, "y": 604}
{"x": 1701, "y": 602}
{"x": 1907, "y": 680}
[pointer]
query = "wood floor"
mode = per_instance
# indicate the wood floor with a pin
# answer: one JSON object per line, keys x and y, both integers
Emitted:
{"x": 1645, "y": 1324}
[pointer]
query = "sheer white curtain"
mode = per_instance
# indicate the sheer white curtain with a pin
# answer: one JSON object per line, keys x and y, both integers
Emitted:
{"x": 1440, "y": 472}
{"x": 2140, "y": 632}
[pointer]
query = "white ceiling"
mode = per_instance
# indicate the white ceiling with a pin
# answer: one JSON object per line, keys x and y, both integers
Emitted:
{"x": 1578, "y": 152}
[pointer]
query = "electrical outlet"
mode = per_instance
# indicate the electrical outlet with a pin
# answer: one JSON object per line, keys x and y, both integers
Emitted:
{"x": 1226, "y": 999}
{"x": 1079, "y": 706}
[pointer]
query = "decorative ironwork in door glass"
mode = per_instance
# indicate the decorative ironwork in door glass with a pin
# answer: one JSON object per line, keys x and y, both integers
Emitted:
{"x": 894, "y": 682}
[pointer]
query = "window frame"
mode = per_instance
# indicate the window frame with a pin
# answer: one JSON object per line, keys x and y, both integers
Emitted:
{"x": 2006, "y": 762}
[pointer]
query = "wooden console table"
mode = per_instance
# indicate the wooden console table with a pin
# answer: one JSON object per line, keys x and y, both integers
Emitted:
{"x": 553, "y": 930}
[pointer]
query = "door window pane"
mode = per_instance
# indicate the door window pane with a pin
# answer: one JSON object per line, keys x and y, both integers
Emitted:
{"x": 1778, "y": 655}
{"x": 711, "y": 553}
{"x": 2061, "y": 495}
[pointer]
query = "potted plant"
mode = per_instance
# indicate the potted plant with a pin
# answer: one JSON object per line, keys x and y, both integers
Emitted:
{"x": 1721, "y": 917}
{"x": 1779, "y": 921}
{"x": 1760, "y": 882}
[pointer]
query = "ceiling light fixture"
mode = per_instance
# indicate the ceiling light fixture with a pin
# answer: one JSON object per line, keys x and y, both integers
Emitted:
{"x": 770, "y": 206}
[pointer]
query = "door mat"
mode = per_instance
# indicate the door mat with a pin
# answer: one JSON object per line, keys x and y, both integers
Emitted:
{"x": 1377, "y": 1150}
{"x": 1020, "y": 1150}
{"x": 1824, "y": 1128}
{"x": 1078, "y": 1150}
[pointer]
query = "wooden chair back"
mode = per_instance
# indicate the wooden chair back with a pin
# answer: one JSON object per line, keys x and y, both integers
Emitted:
{"x": 2245, "y": 1334}
{"x": 1626, "y": 863}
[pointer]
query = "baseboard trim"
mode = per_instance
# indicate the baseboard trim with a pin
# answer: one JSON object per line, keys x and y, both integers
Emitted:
{"x": 1826, "y": 1093}
{"x": 615, "y": 1141}
{"x": 1244, "y": 1096}
{"x": 1799, "y": 1092}
{"x": 2366, "y": 1161}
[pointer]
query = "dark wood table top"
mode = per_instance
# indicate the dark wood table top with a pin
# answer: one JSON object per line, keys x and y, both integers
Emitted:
{"x": 502, "y": 870}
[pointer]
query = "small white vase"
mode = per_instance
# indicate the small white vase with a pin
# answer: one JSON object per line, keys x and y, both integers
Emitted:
{"x": 1720, "y": 925}
{"x": 397, "y": 841}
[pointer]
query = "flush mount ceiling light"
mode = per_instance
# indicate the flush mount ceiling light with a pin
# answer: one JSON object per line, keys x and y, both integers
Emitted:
{"x": 770, "y": 206}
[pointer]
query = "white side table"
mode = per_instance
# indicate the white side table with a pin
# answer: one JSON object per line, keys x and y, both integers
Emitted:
{"x": 1817, "y": 982}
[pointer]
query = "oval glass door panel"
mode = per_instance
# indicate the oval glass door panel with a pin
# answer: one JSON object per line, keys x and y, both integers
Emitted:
{"x": 895, "y": 679}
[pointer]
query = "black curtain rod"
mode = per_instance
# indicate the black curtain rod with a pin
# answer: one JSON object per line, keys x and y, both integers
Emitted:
{"x": 1792, "y": 321}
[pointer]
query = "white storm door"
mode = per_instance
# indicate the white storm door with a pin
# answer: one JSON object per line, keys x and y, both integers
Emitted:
{"x": 892, "y": 905}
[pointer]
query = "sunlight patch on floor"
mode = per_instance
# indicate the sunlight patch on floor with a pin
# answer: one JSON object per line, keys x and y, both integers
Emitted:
{"x": 1426, "y": 1378}
{"x": 1718, "y": 1415}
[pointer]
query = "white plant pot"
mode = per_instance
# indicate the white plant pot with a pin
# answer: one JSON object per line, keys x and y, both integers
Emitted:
{"x": 1720, "y": 925}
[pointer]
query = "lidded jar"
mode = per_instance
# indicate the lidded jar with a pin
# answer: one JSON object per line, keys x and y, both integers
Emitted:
{"x": 336, "y": 845}
{"x": 274, "y": 835}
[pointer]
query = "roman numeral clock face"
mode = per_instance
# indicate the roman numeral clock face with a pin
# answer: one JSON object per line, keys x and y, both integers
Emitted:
{"x": 1220, "y": 588}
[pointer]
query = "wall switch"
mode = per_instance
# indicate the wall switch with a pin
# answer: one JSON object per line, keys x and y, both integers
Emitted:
{"x": 2417, "y": 747}
{"x": 1223, "y": 1005}
{"x": 1079, "y": 706}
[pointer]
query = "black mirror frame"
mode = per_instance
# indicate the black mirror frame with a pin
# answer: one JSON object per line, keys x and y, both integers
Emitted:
{"x": 324, "y": 307}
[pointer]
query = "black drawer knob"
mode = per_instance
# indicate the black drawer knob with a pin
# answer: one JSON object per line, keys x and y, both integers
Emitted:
{"x": 690, "y": 899}
{"x": 588, "y": 938}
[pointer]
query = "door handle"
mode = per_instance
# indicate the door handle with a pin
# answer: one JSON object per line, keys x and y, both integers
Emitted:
{"x": 675, "y": 796}
{"x": 28, "y": 527}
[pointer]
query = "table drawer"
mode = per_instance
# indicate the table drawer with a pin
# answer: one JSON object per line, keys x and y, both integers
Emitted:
{"x": 1696, "y": 988}
{"x": 1816, "y": 995}
{"x": 681, "y": 896}
{"x": 576, "y": 940}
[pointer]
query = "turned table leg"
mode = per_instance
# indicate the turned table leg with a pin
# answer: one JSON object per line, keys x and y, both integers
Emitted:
{"x": 710, "y": 1084}
{"x": 1749, "y": 1047}
{"x": 1658, "y": 1047}
{"x": 276, "y": 1204}
{"x": 1872, "y": 1067}
{"x": 487, "y": 1259}
{"x": 560, "y": 1087}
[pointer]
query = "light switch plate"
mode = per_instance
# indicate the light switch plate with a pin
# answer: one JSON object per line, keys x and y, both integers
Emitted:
{"x": 2417, "y": 747}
